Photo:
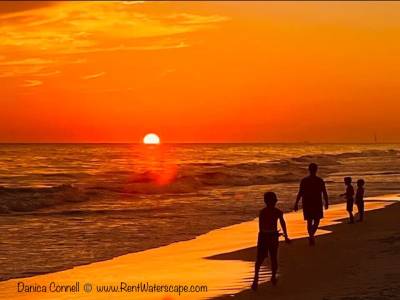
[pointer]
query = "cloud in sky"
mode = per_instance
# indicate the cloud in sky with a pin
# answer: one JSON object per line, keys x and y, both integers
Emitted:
{"x": 15, "y": 6}
{"x": 26, "y": 61}
{"x": 7, "y": 71}
{"x": 150, "y": 47}
{"x": 191, "y": 19}
{"x": 31, "y": 83}
{"x": 133, "y": 2}
{"x": 93, "y": 76}
{"x": 78, "y": 27}
{"x": 39, "y": 39}
{"x": 33, "y": 66}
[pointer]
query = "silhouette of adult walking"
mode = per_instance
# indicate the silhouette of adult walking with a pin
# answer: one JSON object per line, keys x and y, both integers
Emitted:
{"x": 312, "y": 188}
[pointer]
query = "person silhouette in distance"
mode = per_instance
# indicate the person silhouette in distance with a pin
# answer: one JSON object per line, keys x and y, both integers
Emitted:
{"x": 360, "y": 198}
{"x": 349, "y": 196}
{"x": 312, "y": 189}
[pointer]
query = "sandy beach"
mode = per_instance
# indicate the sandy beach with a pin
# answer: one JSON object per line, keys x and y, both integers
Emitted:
{"x": 356, "y": 261}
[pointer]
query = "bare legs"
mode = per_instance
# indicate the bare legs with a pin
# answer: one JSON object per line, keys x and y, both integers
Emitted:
{"x": 351, "y": 217}
{"x": 312, "y": 227}
{"x": 361, "y": 213}
{"x": 261, "y": 255}
{"x": 273, "y": 253}
{"x": 259, "y": 261}
{"x": 360, "y": 207}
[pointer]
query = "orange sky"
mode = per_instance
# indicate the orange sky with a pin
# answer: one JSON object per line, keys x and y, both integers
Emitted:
{"x": 199, "y": 72}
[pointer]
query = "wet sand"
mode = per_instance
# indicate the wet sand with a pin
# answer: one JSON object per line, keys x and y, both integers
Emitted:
{"x": 344, "y": 262}
{"x": 354, "y": 261}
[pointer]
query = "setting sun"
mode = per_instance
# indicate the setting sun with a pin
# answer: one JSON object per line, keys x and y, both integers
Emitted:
{"x": 166, "y": 128}
{"x": 151, "y": 139}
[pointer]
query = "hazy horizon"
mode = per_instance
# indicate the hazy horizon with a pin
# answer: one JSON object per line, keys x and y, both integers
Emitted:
{"x": 205, "y": 143}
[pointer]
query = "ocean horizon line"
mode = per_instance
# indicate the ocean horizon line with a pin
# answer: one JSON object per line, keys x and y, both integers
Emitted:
{"x": 202, "y": 143}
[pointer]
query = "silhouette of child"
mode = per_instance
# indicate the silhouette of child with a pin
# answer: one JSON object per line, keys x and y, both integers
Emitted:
{"x": 268, "y": 237}
{"x": 349, "y": 194}
{"x": 360, "y": 198}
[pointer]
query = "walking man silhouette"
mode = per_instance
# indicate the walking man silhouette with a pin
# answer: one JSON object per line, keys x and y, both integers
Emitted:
{"x": 312, "y": 188}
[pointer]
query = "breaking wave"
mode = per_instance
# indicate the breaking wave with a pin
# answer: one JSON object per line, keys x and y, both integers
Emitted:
{"x": 189, "y": 178}
{"x": 29, "y": 199}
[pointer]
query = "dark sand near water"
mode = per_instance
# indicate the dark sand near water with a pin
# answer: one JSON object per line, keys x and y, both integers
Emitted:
{"x": 359, "y": 261}
{"x": 355, "y": 261}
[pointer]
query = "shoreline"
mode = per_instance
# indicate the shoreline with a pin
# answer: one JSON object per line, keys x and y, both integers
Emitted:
{"x": 69, "y": 266}
{"x": 353, "y": 261}
{"x": 192, "y": 262}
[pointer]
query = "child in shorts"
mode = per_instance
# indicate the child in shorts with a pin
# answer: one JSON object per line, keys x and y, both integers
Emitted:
{"x": 268, "y": 237}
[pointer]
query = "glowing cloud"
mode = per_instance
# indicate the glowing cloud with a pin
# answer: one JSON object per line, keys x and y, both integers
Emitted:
{"x": 31, "y": 83}
{"x": 93, "y": 76}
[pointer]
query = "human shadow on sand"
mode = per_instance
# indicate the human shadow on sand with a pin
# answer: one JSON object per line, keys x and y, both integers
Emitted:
{"x": 353, "y": 261}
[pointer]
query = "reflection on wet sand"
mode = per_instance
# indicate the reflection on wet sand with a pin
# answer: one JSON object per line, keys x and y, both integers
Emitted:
{"x": 182, "y": 263}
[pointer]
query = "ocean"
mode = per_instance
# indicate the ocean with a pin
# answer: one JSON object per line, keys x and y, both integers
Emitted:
{"x": 63, "y": 205}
